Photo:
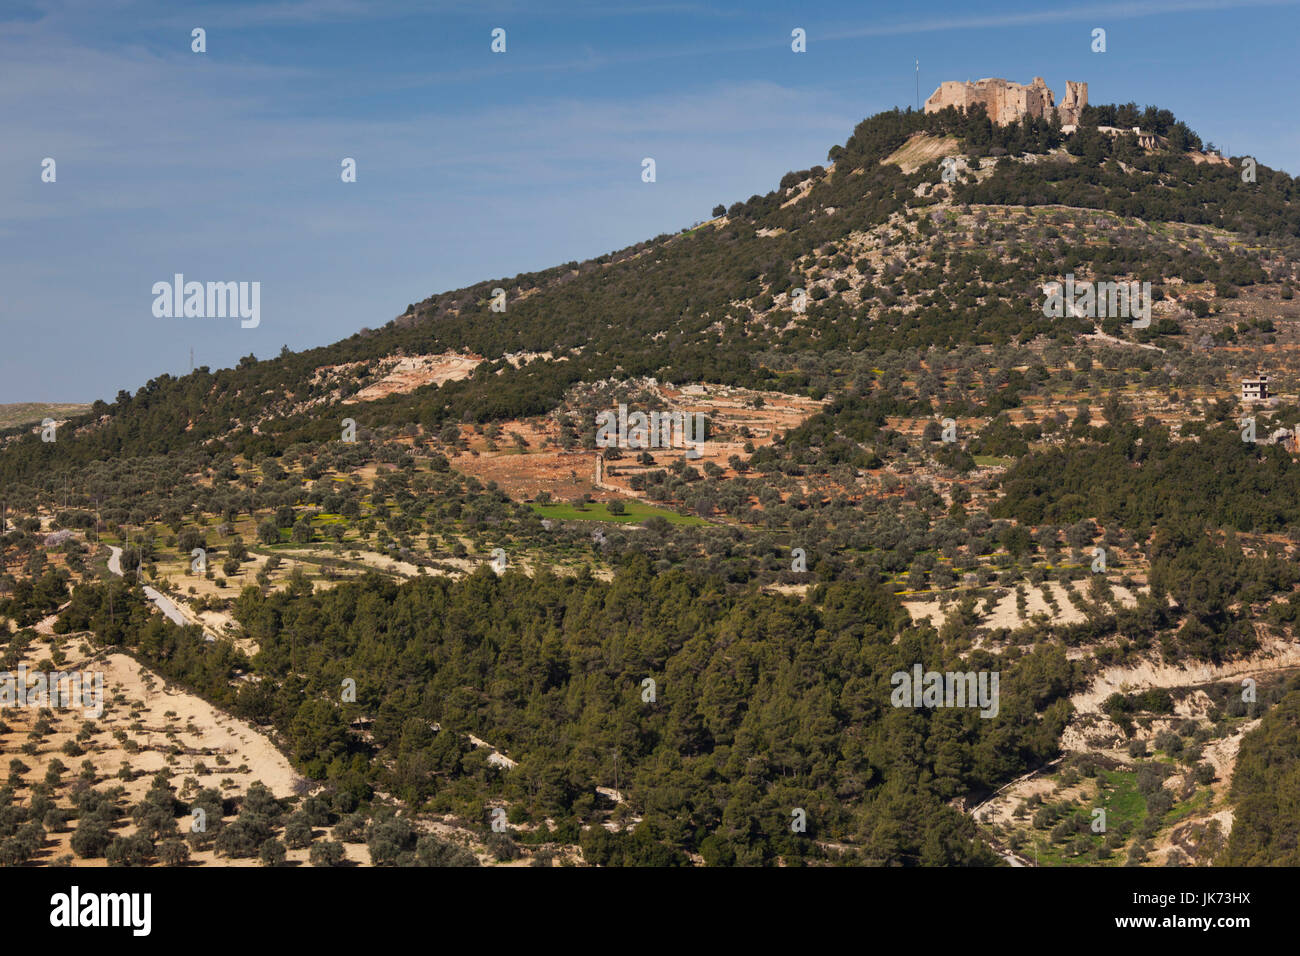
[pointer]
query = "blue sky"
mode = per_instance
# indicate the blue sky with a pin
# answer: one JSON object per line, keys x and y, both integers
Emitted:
{"x": 225, "y": 165}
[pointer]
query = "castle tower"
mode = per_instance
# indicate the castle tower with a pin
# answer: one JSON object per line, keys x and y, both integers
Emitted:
{"x": 1072, "y": 104}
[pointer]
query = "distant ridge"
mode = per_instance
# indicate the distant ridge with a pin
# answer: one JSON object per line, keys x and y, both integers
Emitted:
{"x": 33, "y": 413}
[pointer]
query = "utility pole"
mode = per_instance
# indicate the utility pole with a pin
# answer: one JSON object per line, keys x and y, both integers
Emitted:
{"x": 110, "y": 589}
{"x": 918, "y": 86}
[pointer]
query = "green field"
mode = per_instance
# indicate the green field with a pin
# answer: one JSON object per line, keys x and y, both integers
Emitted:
{"x": 634, "y": 512}
{"x": 1122, "y": 801}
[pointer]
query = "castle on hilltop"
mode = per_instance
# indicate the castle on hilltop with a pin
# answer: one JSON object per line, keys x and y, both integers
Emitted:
{"x": 1005, "y": 102}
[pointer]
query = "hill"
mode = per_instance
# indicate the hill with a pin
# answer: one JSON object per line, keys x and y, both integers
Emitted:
{"x": 678, "y": 649}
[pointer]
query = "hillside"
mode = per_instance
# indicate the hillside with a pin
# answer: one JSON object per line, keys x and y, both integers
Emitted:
{"x": 677, "y": 648}
{"x": 33, "y": 413}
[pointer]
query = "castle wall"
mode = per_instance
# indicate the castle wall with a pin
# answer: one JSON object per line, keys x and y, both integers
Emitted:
{"x": 1006, "y": 102}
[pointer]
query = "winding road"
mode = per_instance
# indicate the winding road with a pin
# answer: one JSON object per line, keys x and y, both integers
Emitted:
{"x": 161, "y": 601}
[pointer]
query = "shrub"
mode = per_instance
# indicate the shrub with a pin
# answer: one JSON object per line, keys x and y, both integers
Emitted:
{"x": 326, "y": 853}
{"x": 135, "y": 850}
{"x": 173, "y": 853}
{"x": 272, "y": 853}
{"x": 297, "y": 832}
{"x": 431, "y": 851}
{"x": 91, "y": 838}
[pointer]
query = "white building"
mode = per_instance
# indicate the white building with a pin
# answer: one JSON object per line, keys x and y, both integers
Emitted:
{"x": 1255, "y": 389}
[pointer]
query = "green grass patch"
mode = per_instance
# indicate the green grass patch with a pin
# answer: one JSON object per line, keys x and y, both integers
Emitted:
{"x": 1198, "y": 802}
{"x": 1121, "y": 799}
{"x": 633, "y": 513}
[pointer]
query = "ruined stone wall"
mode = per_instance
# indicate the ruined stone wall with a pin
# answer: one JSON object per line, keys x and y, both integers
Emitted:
{"x": 1006, "y": 102}
{"x": 1076, "y": 98}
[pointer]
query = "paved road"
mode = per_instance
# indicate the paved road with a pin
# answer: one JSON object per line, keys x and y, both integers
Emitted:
{"x": 161, "y": 601}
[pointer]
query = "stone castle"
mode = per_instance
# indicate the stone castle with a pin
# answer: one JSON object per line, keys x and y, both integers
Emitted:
{"x": 1006, "y": 102}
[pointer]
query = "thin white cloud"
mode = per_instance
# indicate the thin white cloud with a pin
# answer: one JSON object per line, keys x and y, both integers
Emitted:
{"x": 1090, "y": 12}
